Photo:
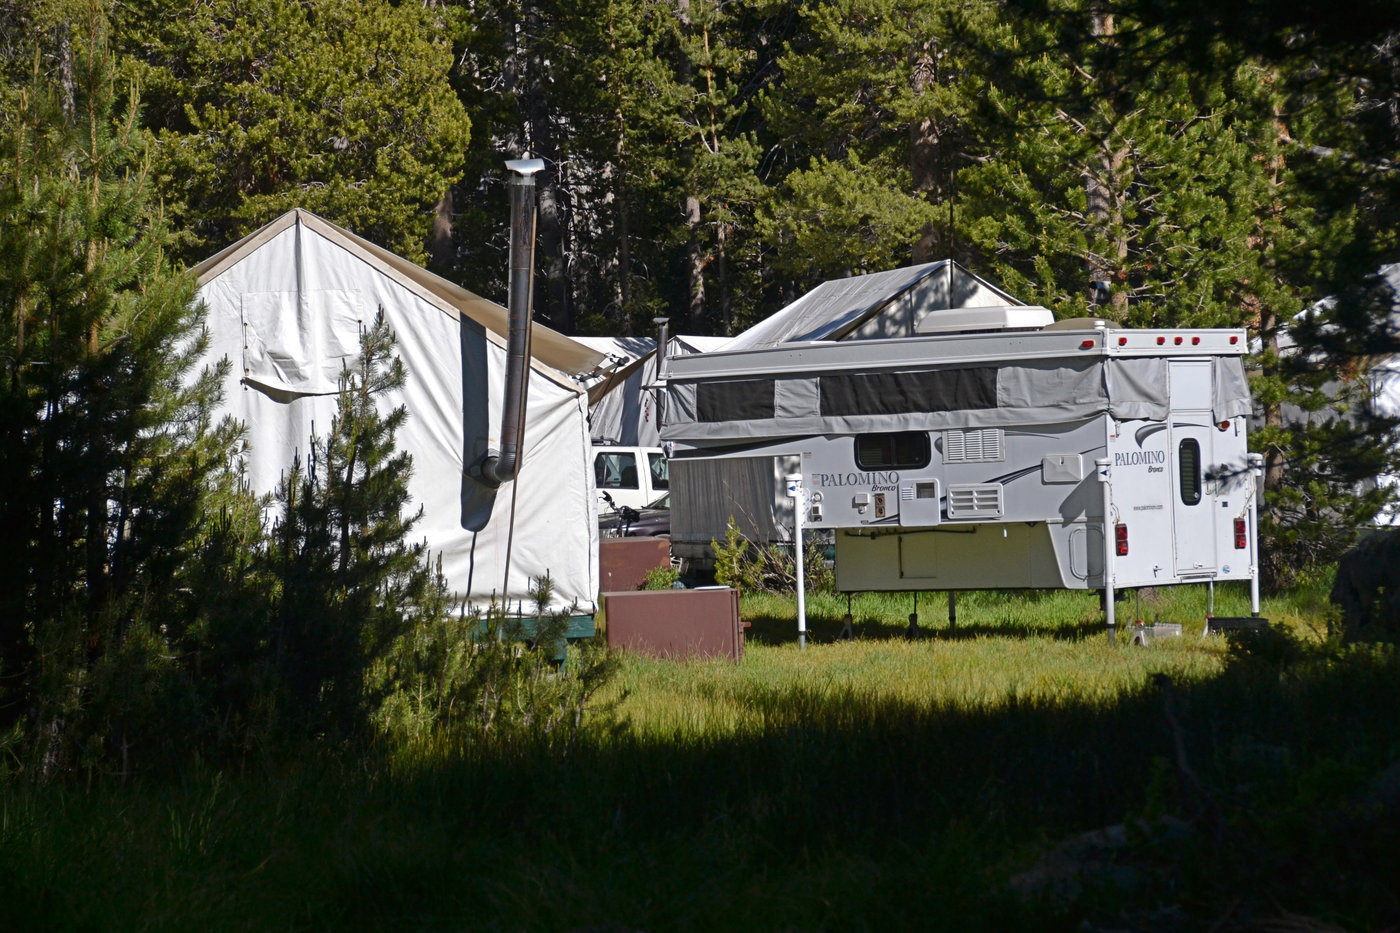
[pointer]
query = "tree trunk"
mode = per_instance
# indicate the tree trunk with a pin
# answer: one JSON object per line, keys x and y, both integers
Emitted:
{"x": 726, "y": 300}
{"x": 1104, "y": 195}
{"x": 442, "y": 251}
{"x": 694, "y": 250}
{"x": 619, "y": 200}
{"x": 553, "y": 216}
{"x": 925, "y": 157}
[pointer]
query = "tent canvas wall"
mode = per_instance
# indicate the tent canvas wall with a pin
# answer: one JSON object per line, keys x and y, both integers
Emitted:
{"x": 621, "y": 411}
{"x": 1382, "y": 375}
{"x": 286, "y": 305}
{"x": 623, "y": 405}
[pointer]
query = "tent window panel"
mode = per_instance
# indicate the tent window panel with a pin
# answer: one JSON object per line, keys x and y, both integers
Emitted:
{"x": 300, "y": 342}
{"x": 735, "y": 400}
{"x": 1189, "y": 470}
{"x": 904, "y": 393}
{"x": 904, "y": 450}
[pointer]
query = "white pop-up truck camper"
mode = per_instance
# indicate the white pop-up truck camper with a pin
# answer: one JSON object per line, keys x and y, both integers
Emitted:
{"x": 997, "y": 448}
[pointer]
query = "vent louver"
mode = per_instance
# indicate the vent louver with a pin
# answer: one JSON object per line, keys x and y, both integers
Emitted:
{"x": 984, "y": 445}
{"x": 975, "y": 501}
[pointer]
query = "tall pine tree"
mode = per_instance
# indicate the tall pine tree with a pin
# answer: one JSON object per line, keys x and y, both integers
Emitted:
{"x": 1115, "y": 183}
{"x": 870, "y": 125}
{"x": 105, "y": 437}
{"x": 342, "y": 107}
{"x": 349, "y": 583}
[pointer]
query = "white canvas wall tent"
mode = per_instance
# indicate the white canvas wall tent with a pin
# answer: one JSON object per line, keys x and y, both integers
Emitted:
{"x": 986, "y": 445}
{"x": 623, "y": 403}
{"x": 1382, "y": 375}
{"x": 686, "y": 344}
{"x": 286, "y": 306}
{"x": 620, "y": 410}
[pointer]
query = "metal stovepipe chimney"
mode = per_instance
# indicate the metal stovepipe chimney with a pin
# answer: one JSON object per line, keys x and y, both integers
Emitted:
{"x": 501, "y": 466}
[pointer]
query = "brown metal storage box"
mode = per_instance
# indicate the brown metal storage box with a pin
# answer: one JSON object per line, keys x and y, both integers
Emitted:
{"x": 697, "y": 623}
{"x": 623, "y": 562}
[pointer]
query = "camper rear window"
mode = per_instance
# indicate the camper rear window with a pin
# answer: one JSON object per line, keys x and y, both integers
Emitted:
{"x": 901, "y": 393}
{"x": 1189, "y": 461}
{"x": 735, "y": 400}
{"x": 906, "y": 450}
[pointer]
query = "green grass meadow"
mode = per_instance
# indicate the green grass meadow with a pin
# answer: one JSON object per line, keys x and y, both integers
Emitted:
{"x": 943, "y": 781}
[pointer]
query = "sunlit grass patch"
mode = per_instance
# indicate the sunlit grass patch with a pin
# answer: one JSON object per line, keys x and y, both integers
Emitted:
{"x": 1005, "y": 648}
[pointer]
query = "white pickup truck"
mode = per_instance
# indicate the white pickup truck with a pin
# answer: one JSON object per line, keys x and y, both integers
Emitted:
{"x": 631, "y": 476}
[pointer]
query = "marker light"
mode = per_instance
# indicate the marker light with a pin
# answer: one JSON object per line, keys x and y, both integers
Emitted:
{"x": 1086, "y": 345}
{"x": 1120, "y": 539}
{"x": 1224, "y": 425}
{"x": 1161, "y": 340}
{"x": 1122, "y": 341}
{"x": 1177, "y": 341}
{"x": 1234, "y": 339}
{"x": 1195, "y": 340}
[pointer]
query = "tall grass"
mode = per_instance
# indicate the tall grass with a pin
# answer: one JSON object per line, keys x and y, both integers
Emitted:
{"x": 885, "y": 783}
{"x": 1005, "y": 649}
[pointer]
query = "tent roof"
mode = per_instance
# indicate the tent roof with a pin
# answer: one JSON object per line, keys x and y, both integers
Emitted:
{"x": 547, "y": 346}
{"x": 624, "y": 349}
{"x": 690, "y": 343}
{"x": 644, "y": 349}
{"x": 835, "y": 308}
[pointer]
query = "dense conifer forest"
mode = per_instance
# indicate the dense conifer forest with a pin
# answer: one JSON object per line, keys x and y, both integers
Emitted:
{"x": 1153, "y": 162}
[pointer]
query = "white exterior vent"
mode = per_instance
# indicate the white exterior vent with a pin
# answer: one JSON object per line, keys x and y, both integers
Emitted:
{"x": 984, "y": 445}
{"x": 981, "y": 500}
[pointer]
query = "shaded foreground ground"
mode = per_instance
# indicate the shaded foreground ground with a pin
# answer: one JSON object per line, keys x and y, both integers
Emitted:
{"x": 885, "y": 784}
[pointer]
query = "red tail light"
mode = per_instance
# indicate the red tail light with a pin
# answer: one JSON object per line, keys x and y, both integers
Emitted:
{"x": 1241, "y": 535}
{"x": 1120, "y": 539}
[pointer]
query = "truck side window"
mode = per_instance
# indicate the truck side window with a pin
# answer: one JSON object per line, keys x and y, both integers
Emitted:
{"x": 904, "y": 450}
{"x": 1189, "y": 470}
{"x": 660, "y": 471}
{"x": 615, "y": 471}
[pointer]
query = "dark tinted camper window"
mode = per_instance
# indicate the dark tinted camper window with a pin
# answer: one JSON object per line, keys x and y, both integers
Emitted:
{"x": 735, "y": 400}
{"x": 1189, "y": 470}
{"x": 906, "y": 450}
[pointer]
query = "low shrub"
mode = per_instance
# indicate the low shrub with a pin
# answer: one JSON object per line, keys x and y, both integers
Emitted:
{"x": 750, "y": 568}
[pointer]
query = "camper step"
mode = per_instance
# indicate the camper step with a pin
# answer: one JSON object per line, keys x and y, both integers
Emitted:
{"x": 1235, "y": 624}
{"x": 1146, "y": 634}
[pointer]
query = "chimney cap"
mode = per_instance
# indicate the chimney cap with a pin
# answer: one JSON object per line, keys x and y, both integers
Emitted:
{"x": 525, "y": 167}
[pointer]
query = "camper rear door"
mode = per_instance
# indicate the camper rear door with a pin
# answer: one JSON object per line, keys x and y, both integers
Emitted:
{"x": 1191, "y": 454}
